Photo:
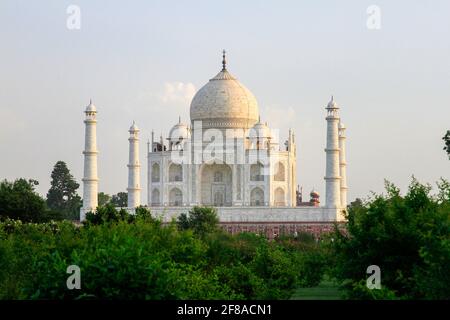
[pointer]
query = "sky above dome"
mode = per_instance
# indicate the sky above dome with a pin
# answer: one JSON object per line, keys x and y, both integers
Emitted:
{"x": 145, "y": 60}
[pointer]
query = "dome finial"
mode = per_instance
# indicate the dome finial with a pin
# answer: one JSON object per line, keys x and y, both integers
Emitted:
{"x": 224, "y": 62}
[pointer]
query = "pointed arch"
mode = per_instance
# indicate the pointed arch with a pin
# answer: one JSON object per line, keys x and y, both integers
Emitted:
{"x": 175, "y": 197}
{"x": 156, "y": 200}
{"x": 175, "y": 172}
{"x": 257, "y": 172}
{"x": 279, "y": 196}
{"x": 156, "y": 172}
{"x": 216, "y": 185}
{"x": 257, "y": 197}
{"x": 279, "y": 172}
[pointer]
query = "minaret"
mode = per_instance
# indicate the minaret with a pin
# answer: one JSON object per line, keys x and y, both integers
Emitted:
{"x": 332, "y": 178}
{"x": 90, "y": 179}
{"x": 134, "y": 184}
{"x": 342, "y": 165}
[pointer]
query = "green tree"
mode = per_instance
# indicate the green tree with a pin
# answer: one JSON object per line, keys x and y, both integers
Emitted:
{"x": 407, "y": 236}
{"x": 62, "y": 195}
{"x": 19, "y": 200}
{"x": 446, "y": 139}
{"x": 120, "y": 199}
{"x": 106, "y": 214}
{"x": 357, "y": 203}
{"x": 433, "y": 277}
{"x": 103, "y": 198}
{"x": 201, "y": 220}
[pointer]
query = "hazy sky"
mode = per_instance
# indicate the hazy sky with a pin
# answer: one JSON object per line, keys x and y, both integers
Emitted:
{"x": 144, "y": 60}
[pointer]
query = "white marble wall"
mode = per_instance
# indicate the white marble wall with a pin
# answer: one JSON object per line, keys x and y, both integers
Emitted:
{"x": 259, "y": 214}
{"x": 241, "y": 185}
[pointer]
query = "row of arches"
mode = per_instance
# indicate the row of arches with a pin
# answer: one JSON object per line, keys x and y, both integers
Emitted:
{"x": 256, "y": 197}
{"x": 256, "y": 172}
{"x": 175, "y": 173}
{"x": 175, "y": 197}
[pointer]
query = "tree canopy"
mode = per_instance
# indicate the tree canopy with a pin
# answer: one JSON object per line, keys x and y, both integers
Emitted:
{"x": 201, "y": 220}
{"x": 62, "y": 195}
{"x": 19, "y": 200}
{"x": 135, "y": 256}
{"x": 120, "y": 199}
{"x": 407, "y": 236}
{"x": 103, "y": 198}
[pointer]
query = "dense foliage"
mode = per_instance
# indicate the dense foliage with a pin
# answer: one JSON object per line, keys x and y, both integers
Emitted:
{"x": 136, "y": 257}
{"x": 408, "y": 237}
{"x": 124, "y": 256}
{"x": 120, "y": 199}
{"x": 202, "y": 220}
{"x": 19, "y": 200}
{"x": 109, "y": 214}
{"x": 103, "y": 198}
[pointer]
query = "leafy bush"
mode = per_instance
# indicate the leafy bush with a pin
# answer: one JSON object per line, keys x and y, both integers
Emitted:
{"x": 201, "y": 220}
{"x": 124, "y": 256}
{"x": 117, "y": 261}
{"x": 252, "y": 266}
{"x": 19, "y": 200}
{"x": 406, "y": 236}
{"x": 312, "y": 257}
{"x": 109, "y": 214}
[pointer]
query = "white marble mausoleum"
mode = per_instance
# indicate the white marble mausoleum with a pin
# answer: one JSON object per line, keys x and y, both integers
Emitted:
{"x": 226, "y": 156}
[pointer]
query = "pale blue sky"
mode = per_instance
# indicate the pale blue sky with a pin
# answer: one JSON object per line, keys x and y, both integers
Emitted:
{"x": 392, "y": 84}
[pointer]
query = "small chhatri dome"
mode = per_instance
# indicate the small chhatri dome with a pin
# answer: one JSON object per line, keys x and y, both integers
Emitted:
{"x": 260, "y": 130}
{"x": 91, "y": 107}
{"x": 179, "y": 131}
{"x": 341, "y": 125}
{"x": 224, "y": 103}
{"x": 332, "y": 104}
{"x": 134, "y": 127}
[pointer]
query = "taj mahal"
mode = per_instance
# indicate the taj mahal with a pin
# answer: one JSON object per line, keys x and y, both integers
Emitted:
{"x": 229, "y": 158}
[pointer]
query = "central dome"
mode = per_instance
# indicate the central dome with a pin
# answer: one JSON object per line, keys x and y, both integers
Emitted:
{"x": 224, "y": 103}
